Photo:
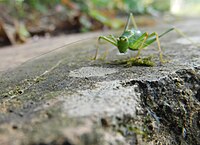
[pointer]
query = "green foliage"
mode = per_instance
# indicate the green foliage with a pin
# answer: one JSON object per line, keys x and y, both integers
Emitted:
{"x": 41, "y": 5}
{"x": 103, "y": 11}
{"x": 161, "y": 5}
{"x": 135, "y": 6}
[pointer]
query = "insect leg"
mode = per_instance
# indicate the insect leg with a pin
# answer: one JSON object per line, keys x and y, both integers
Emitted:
{"x": 159, "y": 48}
{"x": 133, "y": 21}
{"x": 128, "y": 22}
{"x": 113, "y": 38}
{"x": 108, "y": 39}
{"x": 139, "y": 43}
{"x": 96, "y": 53}
{"x": 144, "y": 37}
{"x": 178, "y": 31}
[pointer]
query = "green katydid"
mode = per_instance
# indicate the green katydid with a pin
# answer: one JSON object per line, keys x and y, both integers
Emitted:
{"x": 133, "y": 39}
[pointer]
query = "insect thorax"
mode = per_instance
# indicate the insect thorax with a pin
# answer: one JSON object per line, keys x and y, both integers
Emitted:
{"x": 132, "y": 33}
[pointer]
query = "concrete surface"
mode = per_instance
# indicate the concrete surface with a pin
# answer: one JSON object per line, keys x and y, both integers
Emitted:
{"x": 13, "y": 56}
{"x": 65, "y": 98}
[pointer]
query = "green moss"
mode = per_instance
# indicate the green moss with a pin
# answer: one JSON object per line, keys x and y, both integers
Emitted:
{"x": 16, "y": 91}
{"x": 138, "y": 131}
{"x": 147, "y": 61}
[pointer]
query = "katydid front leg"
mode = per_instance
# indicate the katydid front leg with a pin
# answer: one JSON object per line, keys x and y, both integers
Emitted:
{"x": 110, "y": 39}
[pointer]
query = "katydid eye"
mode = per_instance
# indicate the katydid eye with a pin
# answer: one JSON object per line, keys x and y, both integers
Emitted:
{"x": 123, "y": 39}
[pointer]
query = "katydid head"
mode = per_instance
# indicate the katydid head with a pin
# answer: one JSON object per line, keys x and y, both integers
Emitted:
{"x": 122, "y": 44}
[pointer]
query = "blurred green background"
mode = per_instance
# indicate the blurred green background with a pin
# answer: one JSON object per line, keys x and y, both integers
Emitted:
{"x": 85, "y": 12}
{"x": 39, "y": 17}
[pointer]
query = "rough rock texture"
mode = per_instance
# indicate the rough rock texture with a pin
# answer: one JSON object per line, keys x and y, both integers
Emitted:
{"x": 65, "y": 98}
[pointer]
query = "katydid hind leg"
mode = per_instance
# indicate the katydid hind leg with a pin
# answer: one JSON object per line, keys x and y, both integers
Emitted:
{"x": 144, "y": 37}
{"x": 152, "y": 38}
{"x": 171, "y": 29}
{"x": 138, "y": 44}
{"x": 159, "y": 47}
{"x": 181, "y": 33}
